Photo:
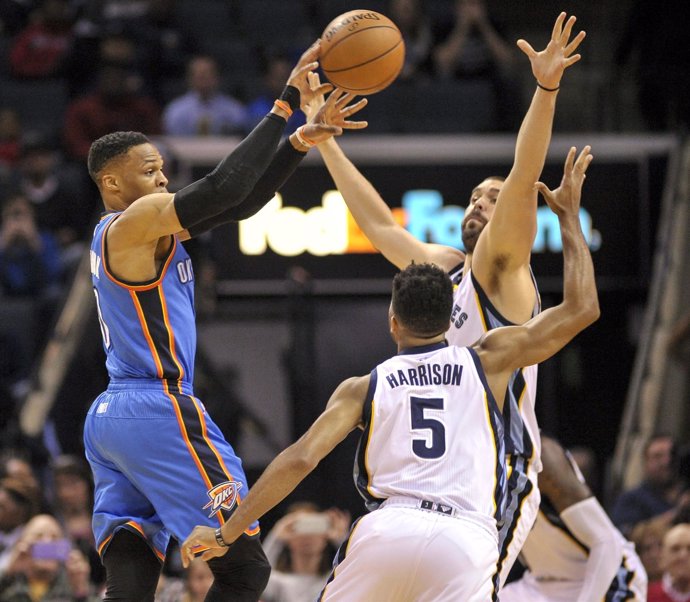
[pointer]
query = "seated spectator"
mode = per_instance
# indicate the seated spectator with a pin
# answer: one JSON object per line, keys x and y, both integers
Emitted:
{"x": 204, "y": 110}
{"x": 19, "y": 502}
{"x": 60, "y": 193}
{"x": 648, "y": 538}
{"x": 660, "y": 491}
{"x": 45, "y": 567}
{"x": 300, "y": 548}
{"x": 29, "y": 256}
{"x": 115, "y": 105}
{"x": 10, "y": 133}
{"x": 276, "y": 70}
{"x": 470, "y": 46}
{"x": 42, "y": 48}
{"x": 15, "y": 463}
{"x": 674, "y": 585}
{"x": 193, "y": 587}
{"x": 417, "y": 33}
{"x": 73, "y": 506}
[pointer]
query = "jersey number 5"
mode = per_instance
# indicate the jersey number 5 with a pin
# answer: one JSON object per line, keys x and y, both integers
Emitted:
{"x": 418, "y": 406}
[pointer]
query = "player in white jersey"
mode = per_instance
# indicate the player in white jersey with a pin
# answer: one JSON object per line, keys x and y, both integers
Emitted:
{"x": 494, "y": 279}
{"x": 431, "y": 462}
{"x": 574, "y": 553}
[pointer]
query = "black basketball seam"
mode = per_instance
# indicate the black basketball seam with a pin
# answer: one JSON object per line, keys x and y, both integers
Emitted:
{"x": 321, "y": 59}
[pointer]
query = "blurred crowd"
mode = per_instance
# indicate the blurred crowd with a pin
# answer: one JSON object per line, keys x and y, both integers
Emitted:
{"x": 47, "y": 551}
{"x": 74, "y": 70}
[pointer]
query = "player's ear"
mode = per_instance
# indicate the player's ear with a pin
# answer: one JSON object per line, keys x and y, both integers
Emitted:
{"x": 110, "y": 183}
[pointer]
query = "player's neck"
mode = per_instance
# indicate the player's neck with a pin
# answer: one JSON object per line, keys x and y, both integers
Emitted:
{"x": 409, "y": 341}
{"x": 468, "y": 264}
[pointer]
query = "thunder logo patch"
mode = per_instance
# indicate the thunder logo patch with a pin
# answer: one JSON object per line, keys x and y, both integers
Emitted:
{"x": 223, "y": 496}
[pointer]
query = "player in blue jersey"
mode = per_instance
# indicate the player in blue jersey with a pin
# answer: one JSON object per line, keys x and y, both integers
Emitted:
{"x": 430, "y": 462}
{"x": 160, "y": 464}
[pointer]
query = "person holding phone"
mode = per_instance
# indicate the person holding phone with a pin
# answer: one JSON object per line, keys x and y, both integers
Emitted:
{"x": 300, "y": 548}
{"x": 46, "y": 566}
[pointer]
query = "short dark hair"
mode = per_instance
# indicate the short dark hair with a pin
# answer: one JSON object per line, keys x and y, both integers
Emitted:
{"x": 423, "y": 299}
{"x": 107, "y": 147}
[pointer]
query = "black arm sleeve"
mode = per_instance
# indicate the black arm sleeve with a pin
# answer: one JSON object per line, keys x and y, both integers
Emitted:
{"x": 234, "y": 177}
{"x": 285, "y": 161}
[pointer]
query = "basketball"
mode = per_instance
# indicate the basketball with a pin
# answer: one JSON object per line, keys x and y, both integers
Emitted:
{"x": 362, "y": 51}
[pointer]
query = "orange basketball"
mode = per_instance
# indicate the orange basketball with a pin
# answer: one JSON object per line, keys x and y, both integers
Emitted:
{"x": 362, "y": 51}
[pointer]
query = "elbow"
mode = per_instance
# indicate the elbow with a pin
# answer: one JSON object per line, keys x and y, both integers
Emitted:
{"x": 302, "y": 461}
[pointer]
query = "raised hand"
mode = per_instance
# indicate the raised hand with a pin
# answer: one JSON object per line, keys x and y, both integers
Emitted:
{"x": 566, "y": 198}
{"x": 549, "y": 64}
{"x": 299, "y": 77}
{"x": 332, "y": 117}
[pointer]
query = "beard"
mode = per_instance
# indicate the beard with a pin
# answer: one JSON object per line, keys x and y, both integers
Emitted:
{"x": 470, "y": 233}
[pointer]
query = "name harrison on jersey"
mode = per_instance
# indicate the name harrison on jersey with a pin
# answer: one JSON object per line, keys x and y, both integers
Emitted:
{"x": 426, "y": 375}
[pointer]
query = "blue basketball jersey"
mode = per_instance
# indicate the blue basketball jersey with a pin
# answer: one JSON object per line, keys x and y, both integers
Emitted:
{"x": 148, "y": 328}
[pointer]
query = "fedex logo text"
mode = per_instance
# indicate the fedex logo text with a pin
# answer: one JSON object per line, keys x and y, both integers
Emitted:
{"x": 329, "y": 229}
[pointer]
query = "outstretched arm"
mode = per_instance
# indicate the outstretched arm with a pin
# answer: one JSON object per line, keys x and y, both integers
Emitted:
{"x": 330, "y": 120}
{"x": 510, "y": 233}
{"x": 584, "y": 517}
{"x": 503, "y": 350}
{"x": 371, "y": 212}
{"x": 343, "y": 413}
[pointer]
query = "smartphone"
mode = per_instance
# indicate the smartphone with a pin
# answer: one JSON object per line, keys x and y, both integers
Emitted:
{"x": 51, "y": 550}
{"x": 312, "y": 524}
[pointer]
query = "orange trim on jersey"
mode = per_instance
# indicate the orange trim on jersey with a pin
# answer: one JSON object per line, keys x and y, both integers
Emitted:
{"x": 134, "y": 287}
{"x": 183, "y": 430}
{"x": 215, "y": 451}
{"x": 105, "y": 542}
{"x": 147, "y": 334}
{"x": 171, "y": 335}
{"x": 137, "y": 526}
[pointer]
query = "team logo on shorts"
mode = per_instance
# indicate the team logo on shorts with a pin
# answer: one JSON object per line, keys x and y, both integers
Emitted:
{"x": 223, "y": 497}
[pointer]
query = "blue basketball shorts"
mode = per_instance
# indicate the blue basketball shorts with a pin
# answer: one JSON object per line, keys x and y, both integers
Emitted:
{"x": 160, "y": 464}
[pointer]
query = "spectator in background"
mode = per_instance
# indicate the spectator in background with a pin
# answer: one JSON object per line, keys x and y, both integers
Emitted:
{"x": 42, "y": 48}
{"x": 115, "y": 105}
{"x": 674, "y": 585}
{"x": 417, "y": 33}
{"x": 193, "y": 587}
{"x": 10, "y": 132}
{"x": 73, "y": 505}
{"x": 656, "y": 43}
{"x": 44, "y": 566}
{"x": 59, "y": 193}
{"x": 648, "y": 538}
{"x": 204, "y": 110}
{"x": 19, "y": 501}
{"x": 300, "y": 548}
{"x": 276, "y": 70}
{"x": 471, "y": 47}
{"x": 29, "y": 257}
{"x": 660, "y": 491}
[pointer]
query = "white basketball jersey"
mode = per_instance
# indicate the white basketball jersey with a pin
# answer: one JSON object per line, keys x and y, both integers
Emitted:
{"x": 552, "y": 551}
{"x": 473, "y": 315}
{"x": 433, "y": 431}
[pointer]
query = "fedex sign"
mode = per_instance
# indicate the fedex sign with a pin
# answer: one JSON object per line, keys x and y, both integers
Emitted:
{"x": 330, "y": 229}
